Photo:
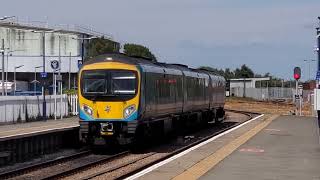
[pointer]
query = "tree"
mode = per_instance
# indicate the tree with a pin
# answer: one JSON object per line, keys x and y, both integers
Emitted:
{"x": 244, "y": 72}
{"x": 214, "y": 70}
{"x": 138, "y": 50}
{"x": 228, "y": 74}
{"x": 100, "y": 46}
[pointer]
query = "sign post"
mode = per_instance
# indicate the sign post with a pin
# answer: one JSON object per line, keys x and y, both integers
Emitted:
{"x": 55, "y": 65}
{"x": 318, "y": 69}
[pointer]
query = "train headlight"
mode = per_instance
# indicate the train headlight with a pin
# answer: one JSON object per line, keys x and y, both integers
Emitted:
{"x": 87, "y": 109}
{"x": 128, "y": 111}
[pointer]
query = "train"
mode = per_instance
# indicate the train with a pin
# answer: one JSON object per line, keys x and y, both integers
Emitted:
{"x": 123, "y": 98}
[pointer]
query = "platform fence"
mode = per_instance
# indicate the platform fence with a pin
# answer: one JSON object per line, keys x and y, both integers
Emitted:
{"x": 15, "y": 109}
{"x": 73, "y": 104}
{"x": 272, "y": 93}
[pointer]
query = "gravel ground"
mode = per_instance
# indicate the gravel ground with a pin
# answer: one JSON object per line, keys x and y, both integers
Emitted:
{"x": 111, "y": 165}
{"x": 46, "y": 157}
{"x": 43, "y": 172}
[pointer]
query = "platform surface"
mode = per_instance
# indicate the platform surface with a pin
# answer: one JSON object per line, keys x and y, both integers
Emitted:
{"x": 286, "y": 149}
{"x": 32, "y": 128}
{"x": 270, "y": 147}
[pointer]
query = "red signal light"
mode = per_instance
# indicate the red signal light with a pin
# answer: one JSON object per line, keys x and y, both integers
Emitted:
{"x": 297, "y": 73}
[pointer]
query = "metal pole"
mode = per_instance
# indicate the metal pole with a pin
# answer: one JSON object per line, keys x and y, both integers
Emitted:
{"x": 282, "y": 94}
{"x": 69, "y": 84}
{"x": 309, "y": 69}
{"x": 60, "y": 80}
{"x": 74, "y": 82}
{"x": 14, "y": 80}
{"x": 35, "y": 80}
{"x": 61, "y": 116}
{"x": 82, "y": 48}
{"x": 318, "y": 52}
{"x": 44, "y": 104}
{"x": 7, "y": 73}
{"x": 55, "y": 97}
{"x": 295, "y": 100}
{"x": 2, "y": 67}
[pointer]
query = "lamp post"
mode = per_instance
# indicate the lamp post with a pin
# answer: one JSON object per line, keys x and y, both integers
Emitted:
{"x": 2, "y": 53}
{"x": 309, "y": 61}
{"x": 35, "y": 78}
{"x": 14, "y": 78}
{"x": 9, "y": 53}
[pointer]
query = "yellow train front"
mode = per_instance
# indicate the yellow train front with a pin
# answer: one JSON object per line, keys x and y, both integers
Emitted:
{"x": 124, "y": 98}
{"x": 109, "y": 100}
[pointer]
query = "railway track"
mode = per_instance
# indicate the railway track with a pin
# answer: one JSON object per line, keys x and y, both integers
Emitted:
{"x": 34, "y": 171}
{"x": 84, "y": 161}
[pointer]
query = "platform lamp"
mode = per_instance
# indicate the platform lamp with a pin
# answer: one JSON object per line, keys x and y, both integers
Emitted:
{"x": 14, "y": 78}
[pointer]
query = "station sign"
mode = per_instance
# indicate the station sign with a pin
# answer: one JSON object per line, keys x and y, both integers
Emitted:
{"x": 55, "y": 65}
{"x": 80, "y": 63}
{"x": 44, "y": 74}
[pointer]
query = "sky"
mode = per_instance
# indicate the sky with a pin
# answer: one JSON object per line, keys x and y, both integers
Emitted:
{"x": 269, "y": 36}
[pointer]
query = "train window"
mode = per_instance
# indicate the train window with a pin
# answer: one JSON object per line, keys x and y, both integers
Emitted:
{"x": 94, "y": 86}
{"x": 95, "y": 82}
{"x": 123, "y": 82}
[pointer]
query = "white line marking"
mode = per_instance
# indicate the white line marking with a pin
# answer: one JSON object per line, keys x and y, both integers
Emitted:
{"x": 155, "y": 166}
{"x": 35, "y": 132}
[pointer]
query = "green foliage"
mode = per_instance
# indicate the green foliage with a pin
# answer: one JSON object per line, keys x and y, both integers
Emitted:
{"x": 138, "y": 50}
{"x": 244, "y": 72}
{"x": 100, "y": 46}
{"x": 214, "y": 70}
{"x": 69, "y": 91}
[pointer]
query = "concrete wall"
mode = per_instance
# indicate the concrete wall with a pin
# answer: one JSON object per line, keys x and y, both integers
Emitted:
{"x": 30, "y": 48}
{"x": 29, "y": 108}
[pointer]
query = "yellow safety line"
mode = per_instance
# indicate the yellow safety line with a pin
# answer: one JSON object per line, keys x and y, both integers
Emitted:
{"x": 199, "y": 169}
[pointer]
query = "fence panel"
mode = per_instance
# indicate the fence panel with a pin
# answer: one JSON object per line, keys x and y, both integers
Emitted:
{"x": 263, "y": 93}
{"x": 29, "y": 108}
{"x": 73, "y": 104}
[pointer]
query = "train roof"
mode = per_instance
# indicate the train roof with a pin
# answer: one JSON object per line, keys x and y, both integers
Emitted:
{"x": 118, "y": 57}
{"x": 149, "y": 65}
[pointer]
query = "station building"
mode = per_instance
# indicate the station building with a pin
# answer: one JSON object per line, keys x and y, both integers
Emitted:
{"x": 28, "y": 46}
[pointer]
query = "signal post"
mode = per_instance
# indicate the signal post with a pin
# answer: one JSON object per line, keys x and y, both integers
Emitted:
{"x": 318, "y": 71}
{"x": 298, "y": 95}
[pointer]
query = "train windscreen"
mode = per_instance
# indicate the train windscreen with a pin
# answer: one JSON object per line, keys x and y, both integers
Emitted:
{"x": 106, "y": 84}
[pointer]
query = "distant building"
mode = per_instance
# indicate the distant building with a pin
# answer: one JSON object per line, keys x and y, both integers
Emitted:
{"x": 246, "y": 82}
{"x": 24, "y": 46}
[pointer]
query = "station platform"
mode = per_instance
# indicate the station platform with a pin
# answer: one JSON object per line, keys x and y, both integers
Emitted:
{"x": 268, "y": 147}
{"x": 14, "y": 131}
{"x": 25, "y": 141}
